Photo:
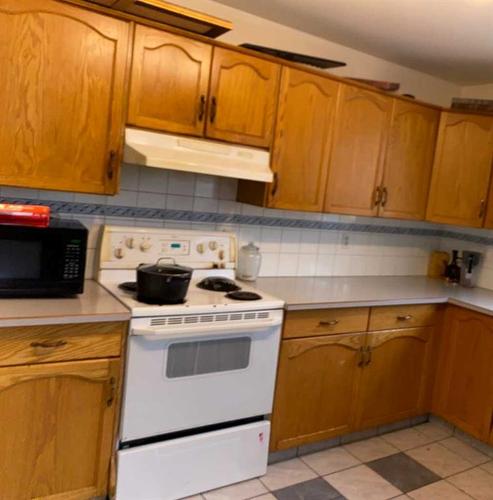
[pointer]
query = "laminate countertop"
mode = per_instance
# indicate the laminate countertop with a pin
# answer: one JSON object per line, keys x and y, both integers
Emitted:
{"x": 355, "y": 291}
{"x": 94, "y": 305}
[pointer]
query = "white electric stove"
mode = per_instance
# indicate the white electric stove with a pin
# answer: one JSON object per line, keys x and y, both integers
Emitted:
{"x": 199, "y": 378}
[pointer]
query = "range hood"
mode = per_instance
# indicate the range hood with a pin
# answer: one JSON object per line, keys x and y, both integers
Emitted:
{"x": 186, "y": 154}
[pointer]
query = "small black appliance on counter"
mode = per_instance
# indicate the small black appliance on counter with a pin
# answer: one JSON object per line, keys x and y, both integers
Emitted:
{"x": 43, "y": 261}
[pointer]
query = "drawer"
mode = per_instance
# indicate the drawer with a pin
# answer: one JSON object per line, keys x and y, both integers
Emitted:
{"x": 314, "y": 322}
{"x": 390, "y": 317}
{"x": 46, "y": 343}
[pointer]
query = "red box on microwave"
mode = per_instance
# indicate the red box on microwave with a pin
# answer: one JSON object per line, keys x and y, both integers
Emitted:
{"x": 24, "y": 215}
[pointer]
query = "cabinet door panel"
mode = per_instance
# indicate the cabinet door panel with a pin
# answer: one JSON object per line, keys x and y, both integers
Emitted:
{"x": 170, "y": 75}
{"x": 243, "y": 97}
{"x": 362, "y": 123}
{"x": 395, "y": 383}
{"x": 464, "y": 386}
{"x": 61, "y": 105}
{"x": 302, "y": 141}
{"x": 56, "y": 422}
{"x": 316, "y": 389}
{"x": 409, "y": 160}
{"x": 461, "y": 169}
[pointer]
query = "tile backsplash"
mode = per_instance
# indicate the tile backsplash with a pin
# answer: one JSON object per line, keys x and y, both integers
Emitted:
{"x": 334, "y": 247}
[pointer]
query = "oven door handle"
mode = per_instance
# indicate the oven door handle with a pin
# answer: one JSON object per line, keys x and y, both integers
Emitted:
{"x": 206, "y": 330}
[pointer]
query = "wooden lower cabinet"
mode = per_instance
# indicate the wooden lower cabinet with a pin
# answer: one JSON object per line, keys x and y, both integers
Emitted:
{"x": 395, "y": 381}
{"x": 316, "y": 391}
{"x": 57, "y": 421}
{"x": 464, "y": 385}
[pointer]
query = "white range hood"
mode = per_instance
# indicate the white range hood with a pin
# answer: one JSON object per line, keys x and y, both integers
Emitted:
{"x": 159, "y": 150}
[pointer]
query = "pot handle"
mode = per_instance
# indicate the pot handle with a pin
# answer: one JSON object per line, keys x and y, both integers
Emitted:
{"x": 173, "y": 261}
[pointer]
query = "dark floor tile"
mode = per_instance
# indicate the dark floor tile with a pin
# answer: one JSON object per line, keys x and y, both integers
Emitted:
{"x": 403, "y": 472}
{"x": 315, "y": 489}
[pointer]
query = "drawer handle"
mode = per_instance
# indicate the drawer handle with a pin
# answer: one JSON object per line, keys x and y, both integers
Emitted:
{"x": 332, "y": 322}
{"x": 49, "y": 345}
{"x": 406, "y": 317}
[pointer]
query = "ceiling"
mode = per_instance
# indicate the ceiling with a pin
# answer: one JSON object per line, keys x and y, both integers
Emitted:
{"x": 451, "y": 39}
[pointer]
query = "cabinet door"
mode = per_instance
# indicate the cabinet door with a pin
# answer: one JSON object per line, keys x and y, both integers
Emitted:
{"x": 302, "y": 140}
{"x": 61, "y": 105}
{"x": 316, "y": 388}
{"x": 409, "y": 160}
{"x": 170, "y": 75}
{"x": 395, "y": 381}
{"x": 362, "y": 124}
{"x": 56, "y": 422}
{"x": 464, "y": 385}
{"x": 461, "y": 169}
{"x": 243, "y": 97}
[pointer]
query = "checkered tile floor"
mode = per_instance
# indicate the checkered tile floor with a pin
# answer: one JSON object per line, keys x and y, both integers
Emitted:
{"x": 425, "y": 462}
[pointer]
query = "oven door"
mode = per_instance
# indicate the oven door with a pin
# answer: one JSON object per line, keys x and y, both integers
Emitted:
{"x": 188, "y": 377}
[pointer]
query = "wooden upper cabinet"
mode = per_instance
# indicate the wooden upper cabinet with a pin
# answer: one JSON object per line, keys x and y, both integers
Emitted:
{"x": 170, "y": 76}
{"x": 461, "y": 169}
{"x": 464, "y": 385}
{"x": 362, "y": 125}
{"x": 396, "y": 378}
{"x": 62, "y": 98}
{"x": 57, "y": 429}
{"x": 409, "y": 160}
{"x": 302, "y": 140}
{"x": 243, "y": 98}
{"x": 316, "y": 389}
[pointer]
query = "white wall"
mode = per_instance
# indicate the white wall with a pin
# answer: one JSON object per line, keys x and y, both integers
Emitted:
{"x": 254, "y": 29}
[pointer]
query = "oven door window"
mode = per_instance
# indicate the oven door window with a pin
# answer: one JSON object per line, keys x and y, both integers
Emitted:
{"x": 199, "y": 357}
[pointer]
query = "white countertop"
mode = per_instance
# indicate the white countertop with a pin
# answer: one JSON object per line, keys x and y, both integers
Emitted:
{"x": 355, "y": 291}
{"x": 94, "y": 305}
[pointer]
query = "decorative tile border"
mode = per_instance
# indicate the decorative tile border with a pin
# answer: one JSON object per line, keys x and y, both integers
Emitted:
{"x": 96, "y": 209}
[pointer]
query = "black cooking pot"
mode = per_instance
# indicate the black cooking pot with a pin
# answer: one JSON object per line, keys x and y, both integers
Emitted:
{"x": 163, "y": 283}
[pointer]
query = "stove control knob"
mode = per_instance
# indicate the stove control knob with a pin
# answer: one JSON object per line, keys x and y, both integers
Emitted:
{"x": 119, "y": 253}
{"x": 213, "y": 245}
{"x": 145, "y": 245}
{"x": 200, "y": 248}
{"x": 129, "y": 242}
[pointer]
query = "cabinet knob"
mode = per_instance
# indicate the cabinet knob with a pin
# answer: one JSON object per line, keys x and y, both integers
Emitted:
{"x": 213, "y": 112}
{"x": 201, "y": 108}
{"x": 404, "y": 317}
{"x": 377, "y": 197}
{"x": 331, "y": 322}
{"x": 482, "y": 207}
{"x": 385, "y": 195}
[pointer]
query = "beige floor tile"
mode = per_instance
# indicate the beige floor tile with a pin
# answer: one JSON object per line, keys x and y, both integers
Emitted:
{"x": 267, "y": 496}
{"x": 287, "y": 473}
{"x": 328, "y": 461}
{"x": 488, "y": 467}
{"x": 442, "y": 490}
{"x": 238, "y": 491}
{"x": 434, "y": 430}
{"x": 361, "y": 483}
{"x": 475, "y": 482}
{"x": 371, "y": 449}
{"x": 465, "y": 450}
{"x": 406, "y": 439}
{"x": 439, "y": 459}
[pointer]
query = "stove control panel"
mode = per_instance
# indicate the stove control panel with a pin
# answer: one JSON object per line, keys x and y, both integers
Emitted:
{"x": 127, "y": 247}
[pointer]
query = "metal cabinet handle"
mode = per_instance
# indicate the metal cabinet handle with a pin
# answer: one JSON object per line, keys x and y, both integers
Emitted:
{"x": 369, "y": 352}
{"x": 275, "y": 184}
{"x": 332, "y": 322}
{"x": 385, "y": 195}
{"x": 377, "y": 196}
{"x": 482, "y": 207}
{"x": 403, "y": 317}
{"x": 201, "y": 108}
{"x": 362, "y": 351}
{"x": 49, "y": 345}
{"x": 110, "y": 169}
{"x": 212, "y": 116}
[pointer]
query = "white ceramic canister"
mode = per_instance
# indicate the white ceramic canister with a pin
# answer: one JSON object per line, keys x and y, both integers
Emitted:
{"x": 249, "y": 260}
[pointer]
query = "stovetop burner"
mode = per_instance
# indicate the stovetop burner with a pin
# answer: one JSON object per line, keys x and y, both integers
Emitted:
{"x": 242, "y": 295}
{"x": 131, "y": 287}
{"x": 218, "y": 284}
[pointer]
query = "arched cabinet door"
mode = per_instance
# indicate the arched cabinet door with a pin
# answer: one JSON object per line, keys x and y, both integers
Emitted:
{"x": 62, "y": 96}
{"x": 461, "y": 170}
{"x": 302, "y": 140}
{"x": 316, "y": 389}
{"x": 243, "y": 98}
{"x": 170, "y": 75}
{"x": 360, "y": 139}
{"x": 57, "y": 429}
{"x": 409, "y": 160}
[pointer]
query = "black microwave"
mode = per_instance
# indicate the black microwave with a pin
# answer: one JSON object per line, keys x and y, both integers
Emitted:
{"x": 43, "y": 262}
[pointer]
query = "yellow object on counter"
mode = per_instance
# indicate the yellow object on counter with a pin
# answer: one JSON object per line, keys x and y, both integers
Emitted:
{"x": 438, "y": 263}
